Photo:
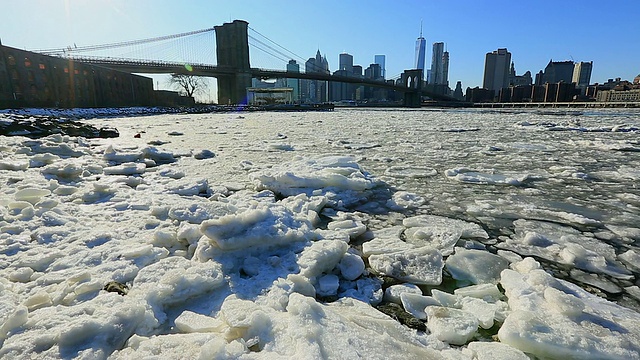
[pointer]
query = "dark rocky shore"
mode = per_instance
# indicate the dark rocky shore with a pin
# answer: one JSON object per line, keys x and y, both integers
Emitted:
{"x": 37, "y": 126}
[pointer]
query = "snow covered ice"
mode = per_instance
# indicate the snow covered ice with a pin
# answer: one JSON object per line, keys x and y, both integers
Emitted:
{"x": 493, "y": 235}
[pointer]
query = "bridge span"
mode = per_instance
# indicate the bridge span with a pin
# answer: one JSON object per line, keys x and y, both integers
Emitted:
{"x": 234, "y": 73}
{"x": 160, "y": 67}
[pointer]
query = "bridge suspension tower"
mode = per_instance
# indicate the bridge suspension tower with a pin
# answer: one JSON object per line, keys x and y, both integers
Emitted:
{"x": 232, "y": 48}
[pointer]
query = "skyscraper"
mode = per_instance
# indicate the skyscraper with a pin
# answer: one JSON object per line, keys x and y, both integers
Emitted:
{"x": 557, "y": 71}
{"x": 316, "y": 90}
{"x": 339, "y": 91}
{"x": 346, "y": 62}
{"x": 437, "y": 68}
{"x": 374, "y": 72}
{"x": 421, "y": 47}
{"x": 445, "y": 68}
{"x": 457, "y": 93}
{"x": 380, "y": 60}
{"x": 582, "y": 74}
{"x": 496, "y": 70}
{"x": 293, "y": 66}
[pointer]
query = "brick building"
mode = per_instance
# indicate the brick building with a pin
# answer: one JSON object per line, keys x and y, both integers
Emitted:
{"x": 29, "y": 79}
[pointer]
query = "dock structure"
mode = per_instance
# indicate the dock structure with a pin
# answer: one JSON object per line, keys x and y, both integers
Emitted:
{"x": 574, "y": 104}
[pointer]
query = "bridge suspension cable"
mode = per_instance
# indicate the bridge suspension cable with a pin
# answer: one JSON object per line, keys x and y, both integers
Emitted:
{"x": 275, "y": 51}
{"x": 260, "y": 45}
{"x": 278, "y": 45}
{"x": 88, "y": 48}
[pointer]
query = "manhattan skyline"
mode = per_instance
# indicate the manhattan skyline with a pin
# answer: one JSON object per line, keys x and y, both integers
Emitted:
{"x": 534, "y": 33}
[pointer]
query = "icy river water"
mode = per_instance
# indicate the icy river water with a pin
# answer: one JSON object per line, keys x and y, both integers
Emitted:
{"x": 274, "y": 234}
{"x": 570, "y": 169}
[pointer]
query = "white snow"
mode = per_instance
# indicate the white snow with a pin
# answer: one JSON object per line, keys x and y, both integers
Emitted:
{"x": 576, "y": 324}
{"x": 229, "y": 243}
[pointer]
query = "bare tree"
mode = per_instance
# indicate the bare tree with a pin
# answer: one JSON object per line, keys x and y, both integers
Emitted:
{"x": 189, "y": 85}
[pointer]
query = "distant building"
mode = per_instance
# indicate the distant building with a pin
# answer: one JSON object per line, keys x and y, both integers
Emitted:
{"x": 582, "y": 73}
{"x": 346, "y": 62}
{"x": 359, "y": 90}
{"x": 373, "y": 72}
{"x": 437, "y": 65}
{"x": 612, "y": 83}
{"x": 519, "y": 93}
{"x": 421, "y": 48}
{"x": 554, "y": 92}
{"x": 538, "y": 93}
{"x": 518, "y": 80}
{"x": 564, "y": 92}
{"x": 479, "y": 95}
{"x": 294, "y": 84}
{"x": 557, "y": 71}
{"x": 269, "y": 96}
{"x": 619, "y": 95}
{"x": 524, "y": 79}
{"x": 496, "y": 70}
{"x": 457, "y": 93}
{"x": 381, "y": 60}
{"x": 616, "y": 90}
{"x": 438, "y": 74}
{"x": 445, "y": 68}
{"x": 339, "y": 91}
{"x": 549, "y": 92}
{"x": 172, "y": 98}
{"x": 357, "y": 70}
{"x": 316, "y": 91}
{"x": 539, "y": 78}
{"x": 29, "y": 79}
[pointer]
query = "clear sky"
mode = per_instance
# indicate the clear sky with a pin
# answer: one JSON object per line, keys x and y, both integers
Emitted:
{"x": 605, "y": 32}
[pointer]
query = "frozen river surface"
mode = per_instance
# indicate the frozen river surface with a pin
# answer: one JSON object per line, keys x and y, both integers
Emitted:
{"x": 497, "y": 234}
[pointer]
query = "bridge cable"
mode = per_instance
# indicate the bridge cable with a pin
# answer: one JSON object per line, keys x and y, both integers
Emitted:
{"x": 120, "y": 44}
{"x": 271, "y": 50}
{"x": 278, "y": 45}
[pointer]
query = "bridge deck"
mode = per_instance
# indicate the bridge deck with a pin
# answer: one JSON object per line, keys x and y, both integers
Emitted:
{"x": 161, "y": 67}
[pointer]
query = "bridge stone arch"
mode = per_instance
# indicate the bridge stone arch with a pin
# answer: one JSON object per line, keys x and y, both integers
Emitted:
{"x": 232, "y": 50}
{"x": 412, "y": 79}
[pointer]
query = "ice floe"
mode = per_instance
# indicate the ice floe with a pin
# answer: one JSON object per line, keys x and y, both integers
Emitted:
{"x": 113, "y": 249}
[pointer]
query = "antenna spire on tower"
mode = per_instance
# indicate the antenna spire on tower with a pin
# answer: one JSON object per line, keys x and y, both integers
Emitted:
{"x": 420, "y": 27}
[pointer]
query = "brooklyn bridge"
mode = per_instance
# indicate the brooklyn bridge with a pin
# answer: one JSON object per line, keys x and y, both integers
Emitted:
{"x": 240, "y": 54}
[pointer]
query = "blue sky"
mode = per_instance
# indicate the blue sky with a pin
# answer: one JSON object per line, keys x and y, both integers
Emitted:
{"x": 607, "y": 33}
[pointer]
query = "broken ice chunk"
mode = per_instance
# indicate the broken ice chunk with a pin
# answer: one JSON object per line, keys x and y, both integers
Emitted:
{"x": 452, "y": 326}
{"x": 467, "y": 229}
{"x": 476, "y": 266}
{"x": 351, "y": 266}
{"x": 495, "y": 351}
{"x": 190, "y": 322}
{"x": 415, "y": 304}
{"x": 393, "y": 292}
{"x": 419, "y": 266}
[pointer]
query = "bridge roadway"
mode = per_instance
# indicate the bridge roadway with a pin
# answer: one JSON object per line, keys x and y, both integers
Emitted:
{"x": 161, "y": 67}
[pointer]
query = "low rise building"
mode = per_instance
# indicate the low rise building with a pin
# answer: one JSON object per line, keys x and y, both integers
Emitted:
{"x": 632, "y": 95}
{"x": 479, "y": 95}
{"x": 29, "y": 79}
{"x": 269, "y": 96}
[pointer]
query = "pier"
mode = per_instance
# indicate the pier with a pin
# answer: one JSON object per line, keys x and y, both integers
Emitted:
{"x": 576, "y": 104}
